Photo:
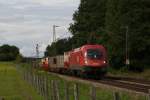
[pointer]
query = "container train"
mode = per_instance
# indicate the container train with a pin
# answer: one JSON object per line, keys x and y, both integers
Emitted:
{"x": 84, "y": 61}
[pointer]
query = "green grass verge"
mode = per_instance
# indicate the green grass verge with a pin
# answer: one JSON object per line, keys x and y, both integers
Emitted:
{"x": 125, "y": 73}
{"x": 12, "y": 86}
{"x": 102, "y": 93}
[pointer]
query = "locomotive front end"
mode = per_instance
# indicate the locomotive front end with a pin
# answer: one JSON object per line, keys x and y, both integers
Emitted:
{"x": 95, "y": 59}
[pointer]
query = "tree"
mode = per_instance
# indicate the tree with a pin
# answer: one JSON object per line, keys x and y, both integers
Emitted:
{"x": 59, "y": 47}
{"x": 116, "y": 41}
{"x": 104, "y": 22}
{"x": 8, "y": 53}
{"x": 88, "y": 19}
{"x": 135, "y": 15}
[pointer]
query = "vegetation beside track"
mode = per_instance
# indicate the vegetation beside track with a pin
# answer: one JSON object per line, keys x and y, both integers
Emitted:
{"x": 12, "y": 86}
{"x": 125, "y": 73}
{"x": 122, "y": 26}
{"x": 104, "y": 92}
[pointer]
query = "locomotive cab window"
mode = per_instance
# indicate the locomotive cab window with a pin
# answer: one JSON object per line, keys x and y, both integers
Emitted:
{"x": 94, "y": 54}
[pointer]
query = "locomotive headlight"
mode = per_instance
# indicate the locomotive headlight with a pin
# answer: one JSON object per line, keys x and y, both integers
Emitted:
{"x": 104, "y": 62}
{"x": 85, "y": 54}
{"x": 86, "y": 62}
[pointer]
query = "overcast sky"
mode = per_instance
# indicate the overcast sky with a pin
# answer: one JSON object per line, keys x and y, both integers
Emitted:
{"x": 25, "y": 23}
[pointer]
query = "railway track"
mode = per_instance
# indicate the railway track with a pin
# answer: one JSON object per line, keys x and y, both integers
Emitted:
{"x": 138, "y": 85}
{"x": 127, "y": 85}
{"x": 135, "y": 85}
{"x": 131, "y": 80}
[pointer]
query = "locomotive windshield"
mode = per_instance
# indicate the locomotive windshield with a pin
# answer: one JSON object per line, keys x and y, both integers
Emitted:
{"x": 94, "y": 54}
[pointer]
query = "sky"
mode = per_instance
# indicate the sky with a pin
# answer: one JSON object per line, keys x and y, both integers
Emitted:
{"x": 25, "y": 23}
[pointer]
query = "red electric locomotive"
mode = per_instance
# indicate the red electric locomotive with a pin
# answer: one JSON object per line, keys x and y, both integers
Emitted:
{"x": 90, "y": 59}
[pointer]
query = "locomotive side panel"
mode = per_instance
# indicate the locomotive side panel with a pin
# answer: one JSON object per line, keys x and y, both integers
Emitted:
{"x": 75, "y": 60}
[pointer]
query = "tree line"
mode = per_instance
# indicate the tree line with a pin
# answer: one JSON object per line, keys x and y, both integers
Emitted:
{"x": 9, "y": 53}
{"x": 113, "y": 23}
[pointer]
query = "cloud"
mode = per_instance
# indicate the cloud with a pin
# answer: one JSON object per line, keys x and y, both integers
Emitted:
{"x": 55, "y": 2}
{"x": 25, "y": 23}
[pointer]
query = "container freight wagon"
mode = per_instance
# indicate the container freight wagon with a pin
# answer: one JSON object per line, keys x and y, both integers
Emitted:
{"x": 45, "y": 63}
{"x": 56, "y": 63}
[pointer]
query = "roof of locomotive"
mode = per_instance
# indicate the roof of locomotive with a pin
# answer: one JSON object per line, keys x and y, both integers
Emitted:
{"x": 91, "y": 45}
{"x": 87, "y": 46}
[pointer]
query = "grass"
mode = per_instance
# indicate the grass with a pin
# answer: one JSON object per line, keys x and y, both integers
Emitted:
{"x": 139, "y": 75}
{"x": 12, "y": 86}
{"x": 102, "y": 93}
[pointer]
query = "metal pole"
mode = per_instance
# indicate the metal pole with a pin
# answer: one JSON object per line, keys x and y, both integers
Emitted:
{"x": 37, "y": 50}
{"x": 54, "y": 33}
{"x": 127, "y": 49}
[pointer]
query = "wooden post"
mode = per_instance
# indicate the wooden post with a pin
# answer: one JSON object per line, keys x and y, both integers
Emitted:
{"x": 148, "y": 94}
{"x": 42, "y": 85}
{"x": 93, "y": 93}
{"x": 31, "y": 75}
{"x": 57, "y": 90}
{"x": 24, "y": 75}
{"x": 76, "y": 92}
{"x": 35, "y": 81}
{"x": 66, "y": 91}
{"x": 116, "y": 96}
{"x": 1, "y": 98}
{"x": 53, "y": 90}
{"x": 39, "y": 84}
{"x": 46, "y": 86}
{"x": 27, "y": 79}
{"x": 30, "y": 80}
{"x": 35, "y": 85}
{"x": 27, "y": 76}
